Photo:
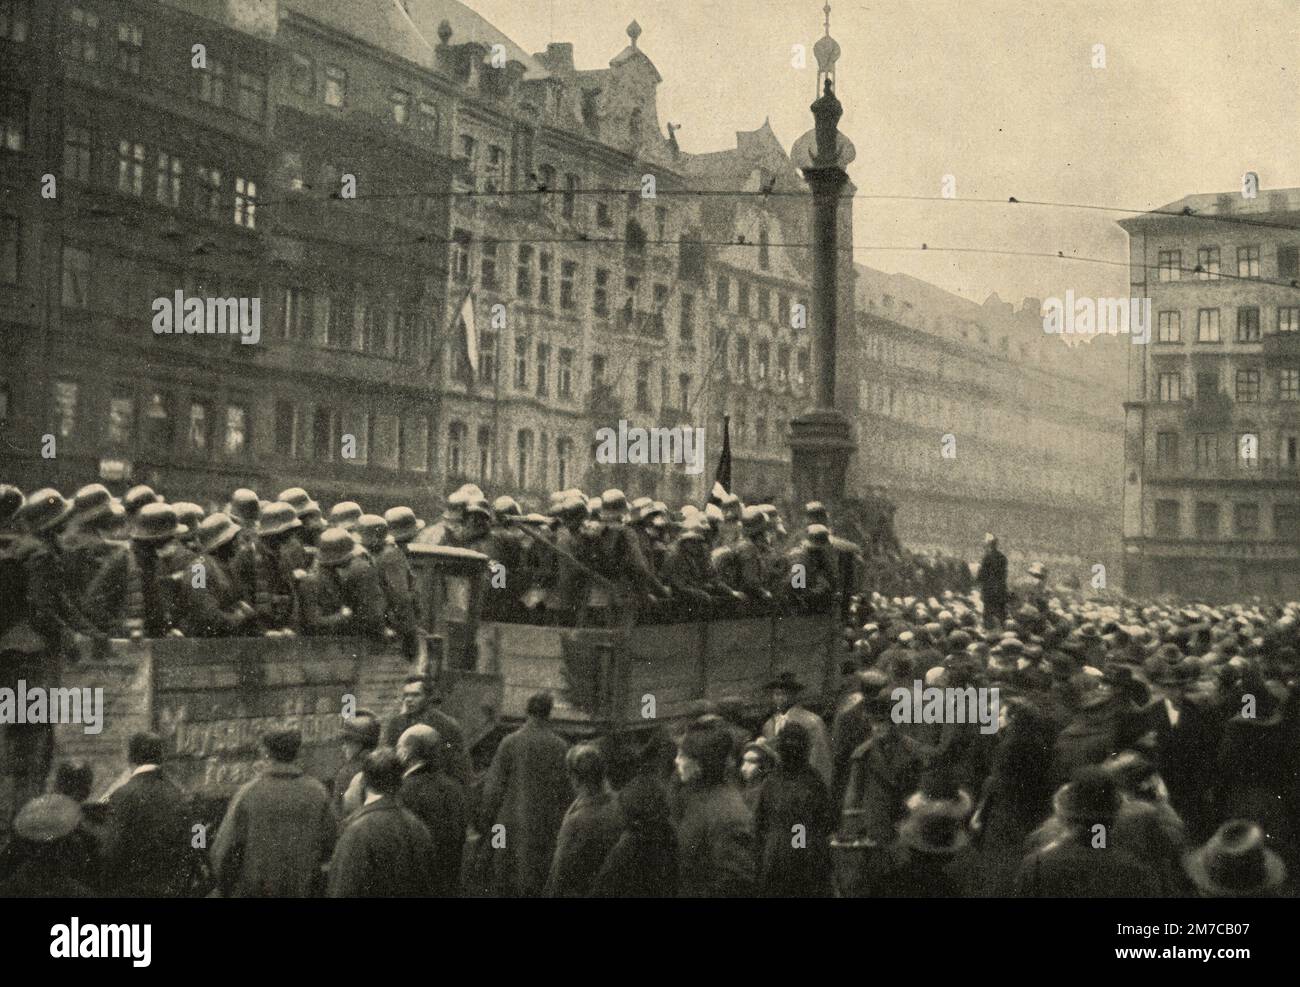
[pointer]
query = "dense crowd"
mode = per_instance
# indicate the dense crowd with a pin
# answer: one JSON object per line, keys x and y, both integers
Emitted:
{"x": 1134, "y": 749}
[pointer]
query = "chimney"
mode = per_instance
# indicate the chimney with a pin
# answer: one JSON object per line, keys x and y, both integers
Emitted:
{"x": 558, "y": 57}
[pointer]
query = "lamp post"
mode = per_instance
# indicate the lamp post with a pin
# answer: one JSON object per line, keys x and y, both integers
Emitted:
{"x": 821, "y": 440}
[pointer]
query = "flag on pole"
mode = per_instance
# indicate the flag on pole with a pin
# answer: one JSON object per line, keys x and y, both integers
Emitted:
{"x": 723, "y": 474}
{"x": 466, "y": 317}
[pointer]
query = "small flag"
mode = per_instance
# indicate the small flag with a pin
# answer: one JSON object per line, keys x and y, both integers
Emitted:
{"x": 471, "y": 332}
{"x": 723, "y": 475}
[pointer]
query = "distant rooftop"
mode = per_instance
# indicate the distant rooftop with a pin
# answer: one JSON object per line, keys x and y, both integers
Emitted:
{"x": 1267, "y": 202}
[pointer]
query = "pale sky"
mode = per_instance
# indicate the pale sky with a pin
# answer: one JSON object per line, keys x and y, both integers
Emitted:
{"x": 1001, "y": 94}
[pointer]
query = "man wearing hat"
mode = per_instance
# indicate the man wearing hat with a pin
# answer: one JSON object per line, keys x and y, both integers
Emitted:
{"x": 749, "y": 565}
{"x": 39, "y": 627}
{"x": 700, "y": 594}
{"x": 133, "y": 593}
{"x": 361, "y": 734}
{"x": 575, "y": 545}
{"x": 1084, "y": 862}
{"x": 308, "y": 512}
{"x": 852, "y": 565}
{"x": 345, "y": 514}
{"x": 785, "y": 690}
{"x": 208, "y": 602}
{"x": 341, "y": 595}
{"x": 50, "y": 854}
{"x": 137, "y": 497}
{"x": 812, "y": 572}
{"x": 396, "y": 580}
{"x": 278, "y": 831}
{"x": 1237, "y": 863}
{"x": 992, "y": 577}
{"x": 87, "y": 544}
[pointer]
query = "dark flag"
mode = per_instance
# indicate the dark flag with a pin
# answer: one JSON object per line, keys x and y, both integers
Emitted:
{"x": 723, "y": 475}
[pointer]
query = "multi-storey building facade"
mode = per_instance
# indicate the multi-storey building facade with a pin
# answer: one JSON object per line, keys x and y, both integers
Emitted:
{"x": 193, "y": 145}
{"x": 972, "y": 419}
{"x": 1212, "y": 433}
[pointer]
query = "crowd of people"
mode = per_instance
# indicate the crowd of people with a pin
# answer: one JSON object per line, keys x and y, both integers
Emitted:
{"x": 1136, "y": 749}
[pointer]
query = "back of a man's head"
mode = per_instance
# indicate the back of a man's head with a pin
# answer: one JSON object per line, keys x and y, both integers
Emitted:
{"x": 540, "y": 705}
{"x": 144, "y": 748}
{"x": 418, "y": 744}
{"x": 382, "y": 771}
{"x": 75, "y": 779}
{"x": 283, "y": 745}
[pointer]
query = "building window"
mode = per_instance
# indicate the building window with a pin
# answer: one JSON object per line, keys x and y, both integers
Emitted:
{"x": 336, "y": 85}
{"x": 485, "y": 452}
{"x": 1247, "y": 450}
{"x": 495, "y": 180}
{"x": 600, "y": 293}
{"x": 64, "y": 405}
{"x": 643, "y": 385}
{"x": 428, "y": 121}
{"x": 487, "y": 357}
{"x": 77, "y": 144}
{"x": 524, "y": 271}
{"x": 212, "y": 82}
{"x": 686, "y": 319}
{"x": 742, "y": 359}
{"x": 1207, "y": 325}
{"x": 684, "y": 391}
{"x": 1207, "y": 450}
{"x": 570, "y": 198}
{"x": 1245, "y": 519}
{"x": 121, "y": 420}
{"x": 246, "y": 203}
{"x": 1247, "y": 385}
{"x": 564, "y": 380}
{"x": 1167, "y": 520}
{"x": 523, "y": 456}
{"x": 765, "y": 304}
{"x": 724, "y": 293}
{"x": 207, "y": 196}
{"x": 297, "y": 314}
{"x": 76, "y": 277}
{"x": 456, "y": 433}
{"x": 83, "y": 34}
{"x": 10, "y": 240}
{"x": 415, "y": 444}
{"x": 742, "y": 297}
{"x": 400, "y": 101}
{"x": 168, "y": 180}
{"x": 1288, "y": 385}
{"x": 488, "y": 266}
{"x": 460, "y": 255}
{"x": 236, "y": 440}
{"x": 764, "y": 354}
{"x": 544, "y": 278}
{"x": 563, "y": 457}
{"x": 1169, "y": 327}
{"x": 1288, "y": 262}
{"x": 1207, "y": 263}
{"x": 322, "y": 434}
{"x": 338, "y": 331}
{"x": 764, "y": 256}
{"x": 286, "y": 415}
{"x": 1169, "y": 387}
{"x": 1248, "y": 324}
{"x": 1289, "y": 453}
{"x": 568, "y": 271}
{"x": 782, "y": 364}
{"x": 1166, "y": 450}
{"x": 130, "y": 168}
{"x": 804, "y": 367}
{"x": 543, "y": 369}
{"x": 1248, "y": 262}
{"x": 1207, "y": 519}
{"x": 522, "y": 346}
{"x": 252, "y": 95}
{"x": 783, "y": 310}
{"x": 603, "y": 217}
{"x": 159, "y": 430}
{"x": 303, "y": 75}
{"x": 15, "y": 20}
{"x": 198, "y": 427}
{"x": 1286, "y": 522}
{"x": 1288, "y": 319}
{"x": 1170, "y": 264}
{"x": 130, "y": 40}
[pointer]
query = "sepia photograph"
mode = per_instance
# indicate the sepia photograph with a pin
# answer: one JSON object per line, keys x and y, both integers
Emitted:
{"x": 663, "y": 449}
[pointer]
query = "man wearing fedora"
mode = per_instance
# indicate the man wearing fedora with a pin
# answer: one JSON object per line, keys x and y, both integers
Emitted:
{"x": 785, "y": 690}
{"x": 1237, "y": 863}
{"x": 208, "y": 603}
